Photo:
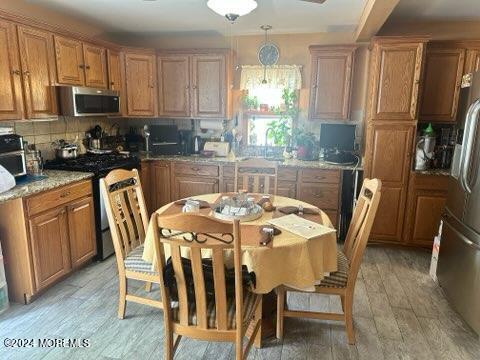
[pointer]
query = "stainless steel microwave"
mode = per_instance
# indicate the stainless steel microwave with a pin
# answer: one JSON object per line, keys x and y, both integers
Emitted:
{"x": 84, "y": 101}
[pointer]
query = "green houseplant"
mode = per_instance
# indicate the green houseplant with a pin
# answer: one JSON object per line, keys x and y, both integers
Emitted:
{"x": 288, "y": 112}
{"x": 306, "y": 144}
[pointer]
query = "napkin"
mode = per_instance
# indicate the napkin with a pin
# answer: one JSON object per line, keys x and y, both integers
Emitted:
{"x": 203, "y": 204}
{"x": 265, "y": 237}
{"x": 294, "y": 210}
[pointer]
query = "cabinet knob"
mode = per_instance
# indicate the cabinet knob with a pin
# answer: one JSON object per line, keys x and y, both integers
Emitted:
{"x": 87, "y": 67}
{"x": 112, "y": 82}
{"x": 26, "y": 73}
{"x": 15, "y": 72}
{"x": 81, "y": 66}
{"x": 194, "y": 87}
{"x": 65, "y": 194}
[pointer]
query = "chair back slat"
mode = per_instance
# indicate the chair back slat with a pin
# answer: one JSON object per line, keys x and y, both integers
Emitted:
{"x": 126, "y": 211}
{"x": 181, "y": 284}
{"x": 137, "y": 216}
{"x": 194, "y": 232}
{"x": 199, "y": 285}
{"x": 220, "y": 290}
{"x": 256, "y": 176}
{"x": 361, "y": 225}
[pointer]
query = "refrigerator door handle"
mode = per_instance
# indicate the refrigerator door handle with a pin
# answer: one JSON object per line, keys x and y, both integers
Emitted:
{"x": 461, "y": 236}
{"x": 470, "y": 126}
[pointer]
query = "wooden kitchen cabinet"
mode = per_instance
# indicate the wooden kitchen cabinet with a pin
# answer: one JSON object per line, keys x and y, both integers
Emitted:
{"x": 426, "y": 202}
{"x": 209, "y": 88}
{"x": 37, "y": 58}
{"x": 331, "y": 82}
{"x": 69, "y": 60}
{"x": 146, "y": 180}
{"x": 395, "y": 71}
{"x": 116, "y": 78}
{"x": 95, "y": 65}
{"x": 48, "y": 234}
{"x": 388, "y": 155}
{"x": 472, "y": 61}
{"x": 174, "y": 85}
{"x": 187, "y": 186}
{"x": 81, "y": 231}
{"x": 441, "y": 85}
{"x": 141, "y": 83}
{"x": 161, "y": 184}
{"x": 80, "y": 64}
{"x": 50, "y": 248}
{"x": 195, "y": 83}
{"x": 11, "y": 101}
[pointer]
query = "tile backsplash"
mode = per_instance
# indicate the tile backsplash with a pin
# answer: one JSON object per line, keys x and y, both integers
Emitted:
{"x": 43, "y": 133}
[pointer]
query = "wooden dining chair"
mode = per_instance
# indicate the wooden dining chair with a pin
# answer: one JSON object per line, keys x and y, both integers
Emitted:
{"x": 221, "y": 317}
{"x": 342, "y": 282}
{"x": 128, "y": 220}
{"x": 257, "y": 176}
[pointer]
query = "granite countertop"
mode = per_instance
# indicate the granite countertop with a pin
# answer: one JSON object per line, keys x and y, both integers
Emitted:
{"x": 438, "y": 172}
{"x": 317, "y": 164}
{"x": 55, "y": 178}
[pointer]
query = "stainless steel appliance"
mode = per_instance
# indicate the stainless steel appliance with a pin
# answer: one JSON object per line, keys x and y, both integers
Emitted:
{"x": 100, "y": 166}
{"x": 458, "y": 269}
{"x": 83, "y": 101}
{"x": 12, "y": 154}
{"x": 164, "y": 139}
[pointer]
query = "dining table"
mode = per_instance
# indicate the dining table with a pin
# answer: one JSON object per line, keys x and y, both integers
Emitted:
{"x": 289, "y": 259}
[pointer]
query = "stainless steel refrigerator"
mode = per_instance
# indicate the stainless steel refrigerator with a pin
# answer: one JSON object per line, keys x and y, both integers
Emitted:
{"x": 458, "y": 269}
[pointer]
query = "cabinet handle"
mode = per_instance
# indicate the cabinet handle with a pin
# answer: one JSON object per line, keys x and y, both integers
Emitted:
{"x": 194, "y": 87}
{"x": 112, "y": 83}
{"x": 65, "y": 194}
{"x": 26, "y": 73}
{"x": 15, "y": 72}
{"x": 81, "y": 66}
{"x": 195, "y": 169}
{"x": 187, "y": 87}
{"x": 87, "y": 67}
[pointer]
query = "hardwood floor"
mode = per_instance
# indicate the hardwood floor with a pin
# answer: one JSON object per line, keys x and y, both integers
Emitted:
{"x": 399, "y": 313}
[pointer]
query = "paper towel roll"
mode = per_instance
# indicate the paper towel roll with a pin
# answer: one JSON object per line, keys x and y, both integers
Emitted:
{"x": 211, "y": 124}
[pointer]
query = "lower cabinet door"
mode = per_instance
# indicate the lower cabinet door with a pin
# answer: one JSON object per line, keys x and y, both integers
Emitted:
{"x": 287, "y": 189}
{"x": 81, "y": 230}
{"x": 50, "y": 250}
{"x": 188, "y": 186}
{"x": 160, "y": 185}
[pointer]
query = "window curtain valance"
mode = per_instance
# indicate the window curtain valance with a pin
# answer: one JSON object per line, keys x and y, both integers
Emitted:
{"x": 278, "y": 77}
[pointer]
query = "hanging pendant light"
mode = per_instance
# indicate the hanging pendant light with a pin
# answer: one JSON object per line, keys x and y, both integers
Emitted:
{"x": 232, "y": 9}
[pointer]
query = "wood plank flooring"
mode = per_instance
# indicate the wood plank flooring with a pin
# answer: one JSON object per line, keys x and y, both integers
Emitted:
{"x": 399, "y": 313}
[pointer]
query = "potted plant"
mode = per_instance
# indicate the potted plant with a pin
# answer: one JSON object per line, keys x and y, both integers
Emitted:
{"x": 306, "y": 144}
{"x": 250, "y": 102}
{"x": 288, "y": 111}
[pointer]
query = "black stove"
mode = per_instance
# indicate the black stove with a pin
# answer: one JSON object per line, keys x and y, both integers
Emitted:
{"x": 100, "y": 165}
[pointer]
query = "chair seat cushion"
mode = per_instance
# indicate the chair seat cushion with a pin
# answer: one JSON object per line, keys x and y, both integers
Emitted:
{"x": 134, "y": 262}
{"x": 248, "y": 311}
{"x": 337, "y": 279}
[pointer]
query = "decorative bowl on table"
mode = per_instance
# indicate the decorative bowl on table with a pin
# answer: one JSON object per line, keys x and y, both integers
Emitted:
{"x": 237, "y": 207}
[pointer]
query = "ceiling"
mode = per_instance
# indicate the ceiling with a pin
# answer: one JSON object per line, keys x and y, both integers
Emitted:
{"x": 184, "y": 16}
{"x": 436, "y": 10}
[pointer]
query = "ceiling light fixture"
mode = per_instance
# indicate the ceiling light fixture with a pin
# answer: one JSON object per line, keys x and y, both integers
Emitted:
{"x": 232, "y": 9}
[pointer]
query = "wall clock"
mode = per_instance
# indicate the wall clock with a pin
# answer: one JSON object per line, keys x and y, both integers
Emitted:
{"x": 268, "y": 54}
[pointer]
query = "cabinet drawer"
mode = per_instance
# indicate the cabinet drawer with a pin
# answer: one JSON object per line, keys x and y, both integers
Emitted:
{"x": 287, "y": 174}
{"x": 228, "y": 171}
{"x": 320, "y": 176}
{"x": 196, "y": 169}
{"x": 51, "y": 199}
{"x": 324, "y": 196}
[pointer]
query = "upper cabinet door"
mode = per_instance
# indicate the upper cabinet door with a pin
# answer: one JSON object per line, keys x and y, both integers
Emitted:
{"x": 209, "y": 86}
{"x": 38, "y": 68}
{"x": 11, "y": 103}
{"x": 332, "y": 69}
{"x": 69, "y": 58}
{"x": 95, "y": 66}
{"x": 141, "y": 84}
{"x": 472, "y": 62}
{"x": 397, "y": 69}
{"x": 114, "y": 70}
{"x": 443, "y": 75}
{"x": 174, "y": 86}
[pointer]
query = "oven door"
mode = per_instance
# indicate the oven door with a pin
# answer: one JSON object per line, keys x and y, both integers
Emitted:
{"x": 14, "y": 162}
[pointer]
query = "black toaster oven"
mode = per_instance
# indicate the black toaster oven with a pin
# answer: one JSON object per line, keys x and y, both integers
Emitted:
{"x": 12, "y": 154}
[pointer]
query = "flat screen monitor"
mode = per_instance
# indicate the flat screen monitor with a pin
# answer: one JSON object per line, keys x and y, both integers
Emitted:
{"x": 337, "y": 136}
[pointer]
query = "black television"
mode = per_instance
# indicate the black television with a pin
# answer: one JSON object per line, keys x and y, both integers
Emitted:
{"x": 338, "y": 143}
